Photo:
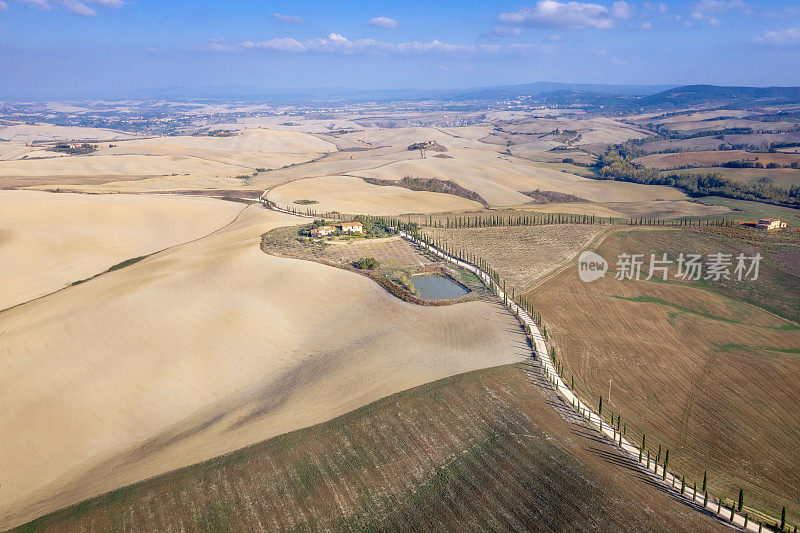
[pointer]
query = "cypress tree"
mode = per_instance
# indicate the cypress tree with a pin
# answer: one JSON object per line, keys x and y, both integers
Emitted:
{"x": 600, "y": 413}
{"x": 658, "y": 457}
{"x": 641, "y": 450}
{"x": 741, "y": 500}
{"x": 666, "y": 464}
{"x": 683, "y": 484}
{"x": 733, "y": 509}
{"x": 783, "y": 518}
{"x": 705, "y": 479}
{"x": 648, "y": 459}
{"x": 705, "y": 500}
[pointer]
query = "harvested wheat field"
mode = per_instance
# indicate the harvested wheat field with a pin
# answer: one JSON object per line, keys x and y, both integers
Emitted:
{"x": 251, "y": 148}
{"x": 574, "y": 208}
{"x": 501, "y": 179}
{"x": 523, "y": 254}
{"x": 172, "y": 162}
{"x": 490, "y": 450}
{"x": 710, "y": 377}
{"x": 121, "y": 165}
{"x": 48, "y": 241}
{"x": 51, "y": 132}
{"x": 667, "y": 209}
{"x": 348, "y": 194}
{"x": 205, "y": 348}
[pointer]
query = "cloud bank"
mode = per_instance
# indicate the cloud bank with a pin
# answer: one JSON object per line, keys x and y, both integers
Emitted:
{"x": 570, "y": 15}
{"x": 84, "y": 8}
{"x": 382, "y": 22}
{"x": 289, "y": 19}
{"x": 336, "y": 43}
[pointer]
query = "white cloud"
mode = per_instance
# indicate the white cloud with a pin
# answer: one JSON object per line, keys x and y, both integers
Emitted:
{"x": 620, "y": 10}
{"x": 645, "y": 25}
{"x": 552, "y": 39}
{"x": 3, "y": 6}
{"x": 506, "y": 30}
{"x": 718, "y": 6}
{"x": 78, "y": 7}
{"x": 574, "y": 15}
{"x": 284, "y": 45}
{"x": 382, "y": 22}
{"x": 336, "y": 43}
{"x": 780, "y": 37}
{"x": 706, "y": 10}
{"x": 288, "y": 19}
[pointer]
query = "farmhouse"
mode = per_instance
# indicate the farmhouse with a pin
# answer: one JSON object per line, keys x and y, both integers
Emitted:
{"x": 770, "y": 223}
{"x": 322, "y": 231}
{"x": 352, "y": 227}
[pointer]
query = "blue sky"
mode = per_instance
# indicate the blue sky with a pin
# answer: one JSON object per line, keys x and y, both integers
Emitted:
{"x": 75, "y": 47}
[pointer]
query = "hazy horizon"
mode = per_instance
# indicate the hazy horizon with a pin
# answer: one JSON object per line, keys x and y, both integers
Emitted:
{"x": 106, "y": 47}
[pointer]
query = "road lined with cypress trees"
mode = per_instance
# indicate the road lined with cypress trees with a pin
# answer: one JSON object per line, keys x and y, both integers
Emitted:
{"x": 656, "y": 469}
{"x": 659, "y": 471}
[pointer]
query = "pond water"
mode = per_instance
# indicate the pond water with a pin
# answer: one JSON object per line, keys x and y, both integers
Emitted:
{"x": 437, "y": 287}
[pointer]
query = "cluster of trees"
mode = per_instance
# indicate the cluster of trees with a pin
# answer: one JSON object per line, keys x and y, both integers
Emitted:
{"x": 615, "y": 164}
{"x": 80, "y": 149}
{"x": 666, "y": 133}
{"x": 367, "y": 263}
{"x": 430, "y": 185}
{"x": 373, "y": 227}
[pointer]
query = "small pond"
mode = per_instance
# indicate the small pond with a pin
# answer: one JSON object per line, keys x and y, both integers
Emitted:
{"x": 437, "y": 287}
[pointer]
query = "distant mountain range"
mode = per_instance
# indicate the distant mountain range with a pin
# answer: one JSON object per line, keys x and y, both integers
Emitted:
{"x": 622, "y": 98}
{"x": 592, "y": 97}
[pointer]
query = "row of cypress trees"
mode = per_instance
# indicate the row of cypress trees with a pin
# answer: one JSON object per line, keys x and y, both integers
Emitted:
{"x": 620, "y": 429}
{"x": 526, "y": 305}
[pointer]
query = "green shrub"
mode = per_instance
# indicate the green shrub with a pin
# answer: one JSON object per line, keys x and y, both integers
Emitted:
{"x": 367, "y": 263}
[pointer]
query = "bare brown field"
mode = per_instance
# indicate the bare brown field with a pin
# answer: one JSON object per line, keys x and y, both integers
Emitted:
{"x": 715, "y": 157}
{"x": 522, "y": 254}
{"x": 666, "y": 210}
{"x": 205, "y": 348}
{"x": 484, "y": 451}
{"x": 576, "y": 208}
{"x": 706, "y": 375}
